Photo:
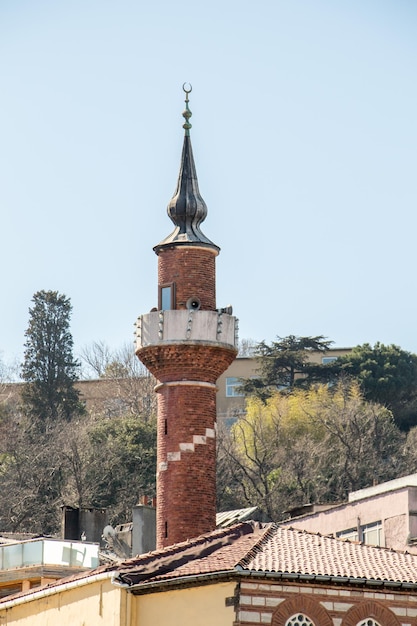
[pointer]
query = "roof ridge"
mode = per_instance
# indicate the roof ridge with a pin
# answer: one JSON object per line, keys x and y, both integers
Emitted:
{"x": 175, "y": 548}
{"x": 352, "y": 542}
{"x": 180, "y": 555}
{"x": 270, "y": 530}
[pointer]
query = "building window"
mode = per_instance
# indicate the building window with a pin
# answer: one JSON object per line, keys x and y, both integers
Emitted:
{"x": 368, "y": 622}
{"x": 372, "y": 534}
{"x": 328, "y": 359}
{"x": 167, "y": 297}
{"x": 233, "y": 386}
{"x": 350, "y": 533}
{"x": 299, "y": 620}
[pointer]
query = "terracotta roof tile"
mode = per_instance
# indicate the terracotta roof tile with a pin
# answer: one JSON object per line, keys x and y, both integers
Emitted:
{"x": 270, "y": 548}
{"x": 286, "y": 550}
{"x": 254, "y": 547}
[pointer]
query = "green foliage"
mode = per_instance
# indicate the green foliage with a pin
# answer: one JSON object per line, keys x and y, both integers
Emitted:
{"x": 313, "y": 445}
{"x": 89, "y": 462}
{"x": 284, "y": 364}
{"x": 49, "y": 368}
{"x": 123, "y": 464}
{"x": 388, "y": 375}
{"x": 106, "y": 458}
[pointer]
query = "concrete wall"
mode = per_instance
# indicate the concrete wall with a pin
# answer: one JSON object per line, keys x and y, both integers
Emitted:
{"x": 98, "y": 603}
{"x": 264, "y": 601}
{"x": 391, "y": 508}
{"x": 198, "y": 606}
{"x": 162, "y": 326}
{"x": 143, "y": 529}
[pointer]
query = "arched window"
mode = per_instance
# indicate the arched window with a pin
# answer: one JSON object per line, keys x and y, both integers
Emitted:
{"x": 370, "y": 613}
{"x": 299, "y": 619}
{"x": 303, "y": 611}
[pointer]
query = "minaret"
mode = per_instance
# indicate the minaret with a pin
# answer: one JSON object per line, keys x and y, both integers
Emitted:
{"x": 186, "y": 343}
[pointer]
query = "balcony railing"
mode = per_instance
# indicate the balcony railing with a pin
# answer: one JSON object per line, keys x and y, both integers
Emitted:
{"x": 184, "y": 325}
{"x": 48, "y": 552}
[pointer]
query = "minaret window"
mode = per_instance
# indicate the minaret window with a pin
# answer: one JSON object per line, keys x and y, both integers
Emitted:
{"x": 167, "y": 297}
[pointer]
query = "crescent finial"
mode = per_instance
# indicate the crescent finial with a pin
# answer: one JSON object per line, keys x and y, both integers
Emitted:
{"x": 187, "y": 88}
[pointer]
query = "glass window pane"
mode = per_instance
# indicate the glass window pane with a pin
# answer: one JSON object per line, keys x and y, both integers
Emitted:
{"x": 166, "y": 298}
{"x": 351, "y": 533}
{"x": 32, "y": 553}
{"x": 328, "y": 359}
{"x": 232, "y": 387}
{"x": 13, "y": 556}
{"x": 371, "y": 534}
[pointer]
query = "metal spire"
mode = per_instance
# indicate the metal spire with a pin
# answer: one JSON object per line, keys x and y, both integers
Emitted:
{"x": 187, "y": 208}
{"x": 187, "y": 113}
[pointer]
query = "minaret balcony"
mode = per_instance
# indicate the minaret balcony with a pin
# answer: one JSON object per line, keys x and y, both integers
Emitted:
{"x": 171, "y": 326}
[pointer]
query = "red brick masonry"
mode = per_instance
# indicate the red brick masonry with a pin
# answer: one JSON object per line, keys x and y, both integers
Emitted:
{"x": 193, "y": 271}
{"x": 186, "y": 470}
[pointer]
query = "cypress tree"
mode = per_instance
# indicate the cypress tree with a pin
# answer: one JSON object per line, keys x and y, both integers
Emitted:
{"x": 49, "y": 368}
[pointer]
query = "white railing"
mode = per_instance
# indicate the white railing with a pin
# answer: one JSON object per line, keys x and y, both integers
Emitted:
{"x": 48, "y": 552}
{"x": 183, "y": 325}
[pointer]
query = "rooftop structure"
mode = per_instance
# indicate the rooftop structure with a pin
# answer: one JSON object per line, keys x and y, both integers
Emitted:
{"x": 383, "y": 515}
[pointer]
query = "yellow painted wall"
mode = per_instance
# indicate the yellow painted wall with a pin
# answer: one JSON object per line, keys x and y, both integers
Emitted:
{"x": 202, "y": 606}
{"x": 102, "y": 604}
{"x": 99, "y": 603}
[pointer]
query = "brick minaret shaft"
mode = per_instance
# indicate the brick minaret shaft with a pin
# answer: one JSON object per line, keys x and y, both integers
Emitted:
{"x": 187, "y": 343}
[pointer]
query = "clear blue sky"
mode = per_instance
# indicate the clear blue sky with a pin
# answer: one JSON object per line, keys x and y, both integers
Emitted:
{"x": 305, "y": 141}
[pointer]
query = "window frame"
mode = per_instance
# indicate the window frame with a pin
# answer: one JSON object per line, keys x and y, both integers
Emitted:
{"x": 170, "y": 286}
{"x": 233, "y": 386}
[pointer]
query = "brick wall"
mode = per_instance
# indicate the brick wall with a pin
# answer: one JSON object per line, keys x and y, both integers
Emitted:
{"x": 186, "y": 475}
{"x": 274, "y": 604}
{"x": 192, "y": 270}
{"x": 186, "y": 471}
{"x": 179, "y": 361}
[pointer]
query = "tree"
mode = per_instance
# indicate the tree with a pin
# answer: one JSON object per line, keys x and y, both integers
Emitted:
{"x": 109, "y": 463}
{"x": 284, "y": 364}
{"x": 97, "y": 358}
{"x": 313, "y": 445}
{"x": 388, "y": 375}
{"x": 88, "y": 462}
{"x": 247, "y": 347}
{"x": 129, "y": 378}
{"x": 31, "y": 475}
{"x": 49, "y": 367}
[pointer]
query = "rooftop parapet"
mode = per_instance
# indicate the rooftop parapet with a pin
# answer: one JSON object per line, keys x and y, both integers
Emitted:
{"x": 177, "y": 326}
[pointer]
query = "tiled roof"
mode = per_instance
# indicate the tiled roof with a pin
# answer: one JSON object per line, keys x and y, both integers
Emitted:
{"x": 250, "y": 548}
{"x": 285, "y": 550}
{"x": 218, "y": 551}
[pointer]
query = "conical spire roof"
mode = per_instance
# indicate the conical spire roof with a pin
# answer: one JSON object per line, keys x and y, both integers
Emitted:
{"x": 187, "y": 208}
